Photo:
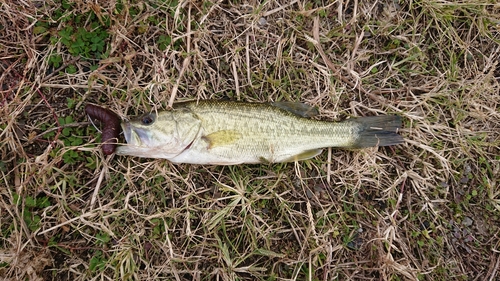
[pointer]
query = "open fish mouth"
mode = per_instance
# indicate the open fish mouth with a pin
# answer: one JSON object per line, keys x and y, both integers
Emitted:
{"x": 131, "y": 136}
{"x": 135, "y": 136}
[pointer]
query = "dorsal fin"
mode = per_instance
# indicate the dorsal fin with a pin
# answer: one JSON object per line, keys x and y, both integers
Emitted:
{"x": 297, "y": 108}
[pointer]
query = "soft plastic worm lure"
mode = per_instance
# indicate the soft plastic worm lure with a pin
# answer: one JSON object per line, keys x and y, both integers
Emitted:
{"x": 111, "y": 126}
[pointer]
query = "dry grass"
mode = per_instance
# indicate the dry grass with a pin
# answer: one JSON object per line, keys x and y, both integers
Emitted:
{"x": 425, "y": 210}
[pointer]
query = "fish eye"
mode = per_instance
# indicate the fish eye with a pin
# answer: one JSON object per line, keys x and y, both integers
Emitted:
{"x": 147, "y": 119}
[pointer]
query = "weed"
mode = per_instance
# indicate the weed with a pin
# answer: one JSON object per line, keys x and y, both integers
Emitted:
{"x": 97, "y": 262}
{"x": 32, "y": 206}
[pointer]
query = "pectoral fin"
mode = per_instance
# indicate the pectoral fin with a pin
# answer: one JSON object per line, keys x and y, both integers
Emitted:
{"x": 220, "y": 138}
{"x": 308, "y": 154}
{"x": 297, "y": 108}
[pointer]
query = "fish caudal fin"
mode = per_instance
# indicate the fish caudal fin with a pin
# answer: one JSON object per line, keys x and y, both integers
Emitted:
{"x": 378, "y": 131}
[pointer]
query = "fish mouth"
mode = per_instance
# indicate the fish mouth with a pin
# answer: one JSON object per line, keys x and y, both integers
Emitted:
{"x": 127, "y": 131}
{"x": 132, "y": 135}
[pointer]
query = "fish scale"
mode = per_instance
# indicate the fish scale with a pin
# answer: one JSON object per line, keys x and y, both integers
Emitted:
{"x": 228, "y": 133}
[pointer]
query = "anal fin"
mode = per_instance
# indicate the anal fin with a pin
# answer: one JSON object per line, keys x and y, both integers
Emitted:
{"x": 308, "y": 154}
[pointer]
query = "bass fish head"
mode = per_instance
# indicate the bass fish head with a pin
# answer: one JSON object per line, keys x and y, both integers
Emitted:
{"x": 160, "y": 135}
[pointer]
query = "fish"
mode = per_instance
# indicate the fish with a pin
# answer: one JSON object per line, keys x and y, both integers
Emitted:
{"x": 220, "y": 132}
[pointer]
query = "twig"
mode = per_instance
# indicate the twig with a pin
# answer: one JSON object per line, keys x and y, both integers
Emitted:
{"x": 268, "y": 13}
{"x": 401, "y": 190}
{"x": 494, "y": 273}
{"x": 84, "y": 215}
{"x": 70, "y": 125}
{"x": 336, "y": 71}
{"x": 63, "y": 66}
{"x": 185, "y": 63}
{"x": 247, "y": 57}
{"x": 209, "y": 11}
{"x": 236, "y": 81}
{"x": 97, "y": 188}
{"x": 2, "y": 77}
{"x": 59, "y": 129}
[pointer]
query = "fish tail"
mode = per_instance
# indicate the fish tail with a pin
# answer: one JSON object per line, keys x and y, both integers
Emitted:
{"x": 378, "y": 131}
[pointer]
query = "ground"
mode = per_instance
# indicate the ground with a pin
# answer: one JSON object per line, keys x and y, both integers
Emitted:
{"x": 424, "y": 210}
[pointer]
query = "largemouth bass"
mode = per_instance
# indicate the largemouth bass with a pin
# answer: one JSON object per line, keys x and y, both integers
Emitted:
{"x": 230, "y": 133}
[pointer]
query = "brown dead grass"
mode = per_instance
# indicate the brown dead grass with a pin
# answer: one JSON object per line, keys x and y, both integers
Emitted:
{"x": 425, "y": 210}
